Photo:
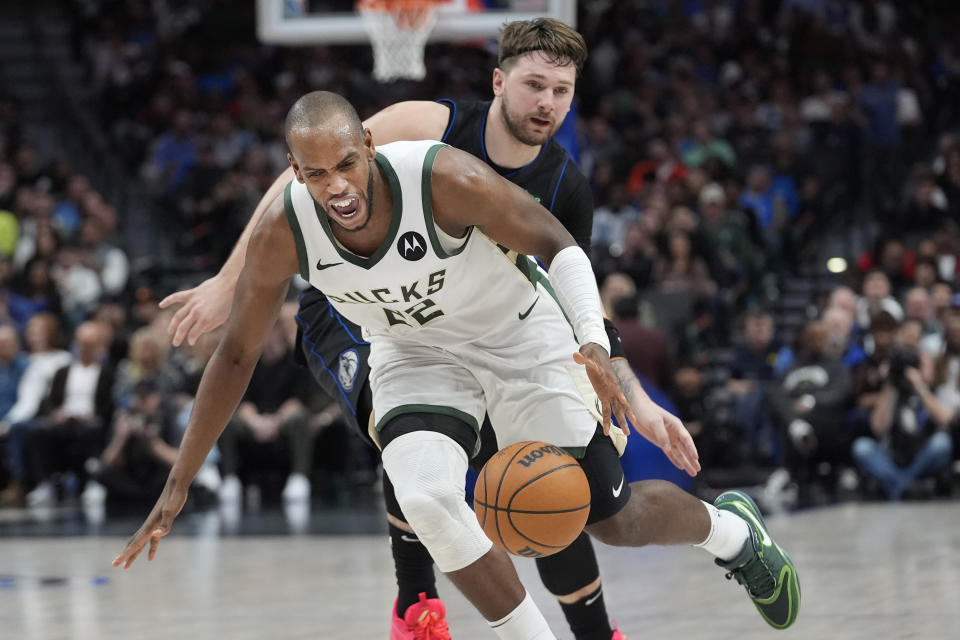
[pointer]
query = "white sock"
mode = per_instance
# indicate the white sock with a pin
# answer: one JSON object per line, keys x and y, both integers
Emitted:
{"x": 523, "y": 623}
{"x": 728, "y": 533}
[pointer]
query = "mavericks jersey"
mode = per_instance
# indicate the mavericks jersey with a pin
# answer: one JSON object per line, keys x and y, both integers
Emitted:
{"x": 421, "y": 284}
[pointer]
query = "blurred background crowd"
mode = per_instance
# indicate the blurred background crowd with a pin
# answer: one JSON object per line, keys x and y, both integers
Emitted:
{"x": 776, "y": 235}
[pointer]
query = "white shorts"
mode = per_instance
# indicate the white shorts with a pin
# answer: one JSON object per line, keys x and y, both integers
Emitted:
{"x": 523, "y": 376}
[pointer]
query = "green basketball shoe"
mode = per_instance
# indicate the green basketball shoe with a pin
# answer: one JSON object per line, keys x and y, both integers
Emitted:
{"x": 762, "y": 566}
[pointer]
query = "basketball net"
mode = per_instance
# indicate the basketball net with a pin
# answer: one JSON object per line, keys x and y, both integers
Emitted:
{"x": 398, "y": 31}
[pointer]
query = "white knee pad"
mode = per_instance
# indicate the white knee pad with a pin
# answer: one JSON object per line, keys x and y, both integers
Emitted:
{"x": 427, "y": 470}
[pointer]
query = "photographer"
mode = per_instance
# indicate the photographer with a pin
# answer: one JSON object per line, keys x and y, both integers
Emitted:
{"x": 908, "y": 424}
{"x": 135, "y": 464}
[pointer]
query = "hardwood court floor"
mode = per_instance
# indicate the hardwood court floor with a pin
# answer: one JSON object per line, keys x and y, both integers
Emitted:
{"x": 872, "y": 571}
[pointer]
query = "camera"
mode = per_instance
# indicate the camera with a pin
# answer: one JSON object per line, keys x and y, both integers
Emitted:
{"x": 900, "y": 359}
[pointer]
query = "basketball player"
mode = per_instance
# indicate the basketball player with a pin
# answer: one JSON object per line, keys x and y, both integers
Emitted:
{"x": 406, "y": 243}
{"x": 535, "y": 79}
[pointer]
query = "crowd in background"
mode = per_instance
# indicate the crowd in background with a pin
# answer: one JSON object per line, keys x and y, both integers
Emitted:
{"x": 730, "y": 145}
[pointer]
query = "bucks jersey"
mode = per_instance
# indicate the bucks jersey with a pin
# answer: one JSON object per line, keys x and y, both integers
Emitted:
{"x": 457, "y": 326}
{"x": 420, "y": 284}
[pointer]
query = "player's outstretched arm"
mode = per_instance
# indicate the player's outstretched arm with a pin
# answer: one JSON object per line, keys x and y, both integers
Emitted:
{"x": 656, "y": 424}
{"x": 260, "y": 291}
{"x": 206, "y": 306}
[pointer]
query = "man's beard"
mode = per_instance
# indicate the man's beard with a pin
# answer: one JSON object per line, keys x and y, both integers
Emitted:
{"x": 369, "y": 207}
{"x": 516, "y": 129}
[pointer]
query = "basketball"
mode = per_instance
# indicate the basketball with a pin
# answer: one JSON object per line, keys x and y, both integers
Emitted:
{"x": 532, "y": 499}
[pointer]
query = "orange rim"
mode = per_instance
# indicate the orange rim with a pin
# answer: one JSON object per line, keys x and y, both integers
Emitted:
{"x": 390, "y": 6}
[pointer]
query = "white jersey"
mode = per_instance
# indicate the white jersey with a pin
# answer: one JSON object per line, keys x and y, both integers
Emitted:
{"x": 456, "y": 326}
{"x": 421, "y": 284}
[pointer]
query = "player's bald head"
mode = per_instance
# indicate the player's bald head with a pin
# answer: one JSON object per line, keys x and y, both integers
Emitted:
{"x": 322, "y": 110}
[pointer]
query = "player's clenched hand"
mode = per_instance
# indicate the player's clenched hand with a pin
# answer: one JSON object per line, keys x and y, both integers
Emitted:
{"x": 154, "y": 527}
{"x": 665, "y": 430}
{"x": 606, "y": 384}
{"x": 204, "y": 308}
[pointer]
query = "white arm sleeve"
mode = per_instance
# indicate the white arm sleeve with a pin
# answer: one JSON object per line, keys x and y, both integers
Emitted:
{"x": 576, "y": 287}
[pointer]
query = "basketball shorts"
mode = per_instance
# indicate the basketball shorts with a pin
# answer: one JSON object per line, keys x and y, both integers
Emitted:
{"x": 522, "y": 375}
{"x": 332, "y": 348}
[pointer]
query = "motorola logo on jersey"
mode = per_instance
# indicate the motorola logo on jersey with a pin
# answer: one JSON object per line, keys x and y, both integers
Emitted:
{"x": 412, "y": 246}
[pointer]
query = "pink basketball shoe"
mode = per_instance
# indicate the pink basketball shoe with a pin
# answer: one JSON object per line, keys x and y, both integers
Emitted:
{"x": 617, "y": 634}
{"x": 424, "y": 620}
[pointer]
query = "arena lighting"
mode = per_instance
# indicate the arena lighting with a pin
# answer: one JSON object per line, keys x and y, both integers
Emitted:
{"x": 836, "y": 265}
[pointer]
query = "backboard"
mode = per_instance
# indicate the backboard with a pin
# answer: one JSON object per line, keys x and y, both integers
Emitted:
{"x": 307, "y": 22}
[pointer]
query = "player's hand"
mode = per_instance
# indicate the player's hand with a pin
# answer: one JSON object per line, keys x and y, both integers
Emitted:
{"x": 204, "y": 308}
{"x": 606, "y": 384}
{"x": 665, "y": 430}
{"x": 156, "y": 526}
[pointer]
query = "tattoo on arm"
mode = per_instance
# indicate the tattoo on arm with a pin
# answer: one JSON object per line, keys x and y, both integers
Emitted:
{"x": 628, "y": 380}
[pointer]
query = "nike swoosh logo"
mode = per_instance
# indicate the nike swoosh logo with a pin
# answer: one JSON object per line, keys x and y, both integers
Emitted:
{"x": 617, "y": 490}
{"x": 590, "y": 601}
{"x": 765, "y": 539}
{"x": 523, "y": 316}
{"x": 321, "y": 266}
{"x": 409, "y": 538}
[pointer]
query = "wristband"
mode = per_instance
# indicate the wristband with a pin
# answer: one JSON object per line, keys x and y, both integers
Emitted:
{"x": 576, "y": 288}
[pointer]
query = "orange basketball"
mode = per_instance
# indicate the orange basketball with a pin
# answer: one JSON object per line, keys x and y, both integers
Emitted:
{"x": 532, "y": 499}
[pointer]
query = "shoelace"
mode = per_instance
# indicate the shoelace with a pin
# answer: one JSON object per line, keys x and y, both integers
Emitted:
{"x": 756, "y": 576}
{"x": 429, "y": 627}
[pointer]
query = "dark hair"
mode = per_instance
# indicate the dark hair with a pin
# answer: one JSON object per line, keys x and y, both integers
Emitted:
{"x": 558, "y": 41}
{"x": 883, "y": 321}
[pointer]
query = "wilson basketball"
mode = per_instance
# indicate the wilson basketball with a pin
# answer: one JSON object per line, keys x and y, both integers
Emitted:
{"x": 532, "y": 499}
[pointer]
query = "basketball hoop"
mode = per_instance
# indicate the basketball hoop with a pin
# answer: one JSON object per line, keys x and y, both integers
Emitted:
{"x": 398, "y": 31}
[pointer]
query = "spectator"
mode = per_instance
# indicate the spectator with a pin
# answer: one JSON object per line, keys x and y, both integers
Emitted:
{"x": 679, "y": 270}
{"x": 752, "y": 375}
{"x": 173, "y": 155}
{"x": 925, "y": 274}
{"x": 616, "y": 287}
{"x": 946, "y": 369}
{"x": 146, "y": 363}
{"x": 842, "y": 341}
{"x": 79, "y": 285}
{"x": 918, "y": 306}
{"x": 726, "y": 233}
{"x": 67, "y": 214}
{"x": 648, "y": 350}
{"x": 611, "y": 220}
{"x": 873, "y": 372}
{"x": 272, "y": 422}
{"x": 845, "y": 299}
{"x": 639, "y": 254}
{"x": 705, "y": 146}
{"x": 909, "y": 438}
{"x": 72, "y": 427}
{"x": 817, "y": 108}
{"x": 45, "y": 359}
{"x": 882, "y": 169}
{"x": 942, "y": 297}
{"x": 134, "y": 465}
{"x": 33, "y": 293}
{"x": 13, "y": 364}
{"x": 890, "y": 256}
{"x": 659, "y": 169}
{"x": 877, "y": 297}
{"x": 808, "y": 406}
{"x": 109, "y": 262}
{"x": 760, "y": 200}
{"x": 925, "y": 209}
